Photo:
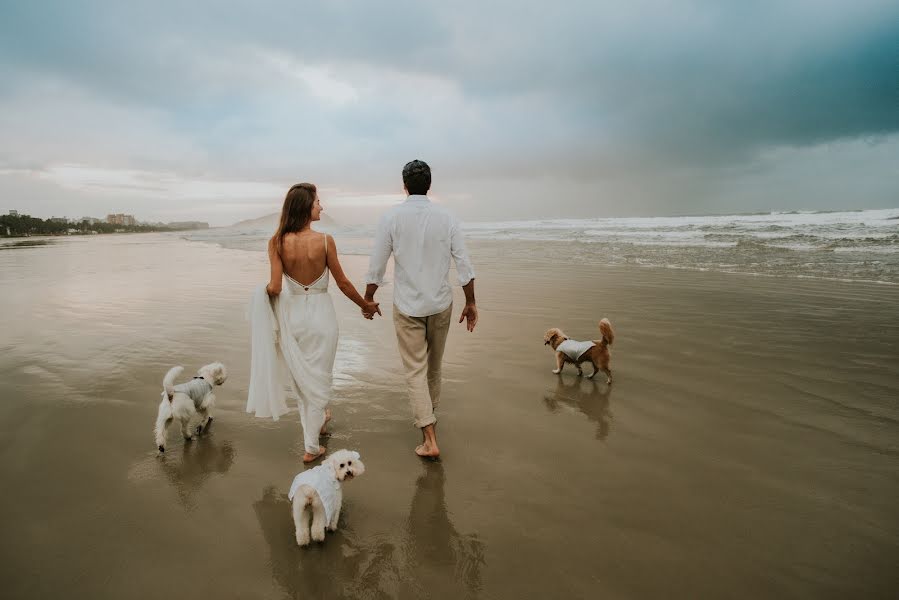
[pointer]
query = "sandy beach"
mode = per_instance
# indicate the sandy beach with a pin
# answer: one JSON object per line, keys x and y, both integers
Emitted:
{"x": 748, "y": 448}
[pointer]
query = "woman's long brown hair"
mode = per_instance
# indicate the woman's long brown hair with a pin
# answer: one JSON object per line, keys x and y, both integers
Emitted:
{"x": 297, "y": 211}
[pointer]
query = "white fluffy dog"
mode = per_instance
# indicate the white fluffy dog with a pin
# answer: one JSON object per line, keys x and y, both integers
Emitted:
{"x": 186, "y": 400}
{"x": 317, "y": 491}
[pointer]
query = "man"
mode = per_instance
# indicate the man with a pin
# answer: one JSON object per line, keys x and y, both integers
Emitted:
{"x": 422, "y": 237}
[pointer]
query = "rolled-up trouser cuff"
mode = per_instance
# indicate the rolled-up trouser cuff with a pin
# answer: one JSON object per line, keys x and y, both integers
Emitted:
{"x": 429, "y": 420}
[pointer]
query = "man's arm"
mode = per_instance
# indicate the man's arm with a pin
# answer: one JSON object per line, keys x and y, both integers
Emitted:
{"x": 377, "y": 264}
{"x": 470, "y": 311}
{"x": 466, "y": 276}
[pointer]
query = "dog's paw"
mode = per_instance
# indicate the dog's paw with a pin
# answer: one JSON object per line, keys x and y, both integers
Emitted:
{"x": 591, "y": 375}
{"x": 302, "y": 539}
{"x": 318, "y": 536}
{"x": 332, "y": 528}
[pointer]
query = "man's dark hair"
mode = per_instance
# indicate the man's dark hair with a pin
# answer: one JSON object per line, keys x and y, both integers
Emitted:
{"x": 417, "y": 177}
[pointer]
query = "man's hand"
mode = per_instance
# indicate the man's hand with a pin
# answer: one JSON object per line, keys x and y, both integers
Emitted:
{"x": 470, "y": 312}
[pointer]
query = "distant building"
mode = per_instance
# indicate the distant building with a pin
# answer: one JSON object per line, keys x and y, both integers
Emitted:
{"x": 121, "y": 219}
{"x": 58, "y": 220}
{"x": 13, "y": 213}
{"x": 91, "y": 220}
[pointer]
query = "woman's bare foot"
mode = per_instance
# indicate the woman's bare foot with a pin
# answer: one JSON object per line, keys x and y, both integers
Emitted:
{"x": 427, "y": 450}
{"x": 324, "y": 429}
{"x": 308, "y": 458}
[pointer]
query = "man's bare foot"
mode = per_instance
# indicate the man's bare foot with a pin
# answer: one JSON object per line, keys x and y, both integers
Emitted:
{"x": 308, "y": 458}
{"x": 427, "y": 450}
{"x": 324, "y": 429}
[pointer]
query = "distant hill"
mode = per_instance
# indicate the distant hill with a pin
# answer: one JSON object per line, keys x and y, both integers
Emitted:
{"x": 270, "y": 222}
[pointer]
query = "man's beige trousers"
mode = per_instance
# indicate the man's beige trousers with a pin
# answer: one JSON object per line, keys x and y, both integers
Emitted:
{"x": 421, "y": 341}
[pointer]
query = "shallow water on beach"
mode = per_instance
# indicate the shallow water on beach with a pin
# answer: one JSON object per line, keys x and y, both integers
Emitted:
{"x": 859, "y": 245}
{"x": 748, "y": 448}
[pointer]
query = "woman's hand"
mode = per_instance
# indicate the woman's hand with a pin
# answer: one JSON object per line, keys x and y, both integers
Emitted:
{"x": 271, "y": 292}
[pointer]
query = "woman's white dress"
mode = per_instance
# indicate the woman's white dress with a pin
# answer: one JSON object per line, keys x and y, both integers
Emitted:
{"x": 294, "y": 341}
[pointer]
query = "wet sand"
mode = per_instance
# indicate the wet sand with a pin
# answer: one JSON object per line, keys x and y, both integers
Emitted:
{"x": 748, "y": 448}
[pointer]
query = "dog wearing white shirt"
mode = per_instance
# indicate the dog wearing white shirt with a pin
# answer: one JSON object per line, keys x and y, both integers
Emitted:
{"x": 186, "y": 400}
{"x": 574, "y": 352}
{"x": 317, "y": 492}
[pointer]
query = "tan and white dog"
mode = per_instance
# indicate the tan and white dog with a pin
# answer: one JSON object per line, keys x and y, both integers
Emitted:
{"x": 317, "y": 492}
{"x": 187, "y": 400}
{"x": 574, "y": 352}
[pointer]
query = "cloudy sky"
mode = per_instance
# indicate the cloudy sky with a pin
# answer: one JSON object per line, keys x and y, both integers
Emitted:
{"x": 210, "y": 109}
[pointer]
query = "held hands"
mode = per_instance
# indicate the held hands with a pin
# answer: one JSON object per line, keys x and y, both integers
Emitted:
{"x": 370, "y": 309}
{"x": 470, "y": 312}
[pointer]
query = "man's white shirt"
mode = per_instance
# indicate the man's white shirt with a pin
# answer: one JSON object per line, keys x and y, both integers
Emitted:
{"x": 422, "y": 237}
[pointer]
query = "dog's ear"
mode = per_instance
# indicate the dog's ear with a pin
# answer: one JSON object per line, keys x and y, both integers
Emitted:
{"x": 355, "y": 455}
{"x": 331, "y": 462}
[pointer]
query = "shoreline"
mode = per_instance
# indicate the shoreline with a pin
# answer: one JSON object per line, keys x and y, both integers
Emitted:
{"x": 91, "y": 234}
{"x": 586, "y": 252}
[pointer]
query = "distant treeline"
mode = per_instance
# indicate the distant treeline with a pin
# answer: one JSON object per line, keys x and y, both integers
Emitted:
{"x": 23, "y": 225}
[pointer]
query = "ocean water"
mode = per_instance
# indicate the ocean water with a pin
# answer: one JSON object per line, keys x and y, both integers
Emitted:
{"x": 858, "y": 245}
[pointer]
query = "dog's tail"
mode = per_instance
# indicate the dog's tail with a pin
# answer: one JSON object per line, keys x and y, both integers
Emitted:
{"x": 168, "y": 382}
{"x": 608, "y": 335}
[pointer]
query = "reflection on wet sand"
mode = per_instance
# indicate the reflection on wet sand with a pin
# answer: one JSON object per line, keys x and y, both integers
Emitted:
{"x": 427, "y": 559}
{"x": 199, "y": 459}
{"x": 440, "y": 558}
{"x": 587, "y": 396}
{"x": 341, "y": 567}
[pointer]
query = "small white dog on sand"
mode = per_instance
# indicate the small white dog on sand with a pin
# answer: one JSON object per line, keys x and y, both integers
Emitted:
{"x": 317, "y": 491}
{"x": 186, "y": 400}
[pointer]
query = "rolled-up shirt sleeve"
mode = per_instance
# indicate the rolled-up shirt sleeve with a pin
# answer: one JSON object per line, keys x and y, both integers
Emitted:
{"x": 460, "y": 255}
{"x": 380, "y": 253}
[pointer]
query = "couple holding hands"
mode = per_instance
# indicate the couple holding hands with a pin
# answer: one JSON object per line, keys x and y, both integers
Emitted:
{"x": 294, "y": 325}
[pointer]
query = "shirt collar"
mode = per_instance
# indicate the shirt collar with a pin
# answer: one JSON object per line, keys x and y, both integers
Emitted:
{"x": 417, "y": 198}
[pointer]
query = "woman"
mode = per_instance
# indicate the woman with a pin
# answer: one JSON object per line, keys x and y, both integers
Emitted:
{"x": 295, "y": 335}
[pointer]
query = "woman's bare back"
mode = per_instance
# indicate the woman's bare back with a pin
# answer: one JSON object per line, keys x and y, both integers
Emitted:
{"x": 304, "y": 256}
